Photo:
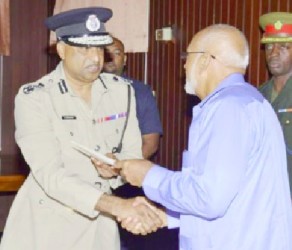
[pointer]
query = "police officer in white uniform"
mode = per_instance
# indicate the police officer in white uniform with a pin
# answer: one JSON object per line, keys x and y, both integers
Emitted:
{"x": 64, "y": 203}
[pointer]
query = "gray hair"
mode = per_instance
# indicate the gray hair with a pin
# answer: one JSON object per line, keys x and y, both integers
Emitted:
{"x": 231, "y": 52}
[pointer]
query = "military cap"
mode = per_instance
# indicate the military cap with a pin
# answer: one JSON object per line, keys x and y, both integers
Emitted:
{"x": 81, "y": 27}
{"x": 277, "y": 27}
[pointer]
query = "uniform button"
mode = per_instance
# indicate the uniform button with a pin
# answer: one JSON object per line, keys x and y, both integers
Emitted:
{"x": 287, "y": 122}
{"x": 41, "y": 201}
{"x": 97, "y": 184}
{"x": 97, "y": 148}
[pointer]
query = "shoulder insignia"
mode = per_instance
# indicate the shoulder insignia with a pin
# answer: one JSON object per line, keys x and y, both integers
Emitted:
{"x": 31, "y": 87}
{"x": 111, "y": 78}
{"x": 128, "y": 80}
{"x": 122, "y": 79}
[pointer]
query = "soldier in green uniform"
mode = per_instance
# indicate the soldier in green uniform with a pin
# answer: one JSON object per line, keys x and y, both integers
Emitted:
{"x": 277, "y": 39}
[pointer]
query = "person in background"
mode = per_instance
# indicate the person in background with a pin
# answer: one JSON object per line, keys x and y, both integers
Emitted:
{"x": 65, "y": 204}
{"x": 277, "y": 39}
{"x": 147, "y": 111}
{"x": 233, "y": 189}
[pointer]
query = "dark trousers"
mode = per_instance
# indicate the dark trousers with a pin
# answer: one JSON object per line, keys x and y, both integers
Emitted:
{"x": 160, "y": 240}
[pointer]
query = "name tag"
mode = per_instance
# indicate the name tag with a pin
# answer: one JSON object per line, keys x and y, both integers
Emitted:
{"x": 69, "y": 117}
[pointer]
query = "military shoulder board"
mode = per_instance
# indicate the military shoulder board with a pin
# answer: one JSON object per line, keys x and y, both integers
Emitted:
{"x": 31, "y": 87}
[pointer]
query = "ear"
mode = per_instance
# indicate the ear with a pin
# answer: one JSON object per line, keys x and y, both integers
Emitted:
{"x": 61, "y": 49}
{"x": 125, "y": 59}
{"x": 204, "y": 61}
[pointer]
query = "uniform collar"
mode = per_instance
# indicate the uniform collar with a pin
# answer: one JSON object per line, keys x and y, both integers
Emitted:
{"x": 64, "y": 87}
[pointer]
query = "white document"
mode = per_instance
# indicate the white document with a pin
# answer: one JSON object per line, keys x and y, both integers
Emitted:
{"x": 92, "y": 153}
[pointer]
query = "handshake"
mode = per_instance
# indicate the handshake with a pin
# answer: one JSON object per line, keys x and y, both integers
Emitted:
{"x": 137, "y": 215}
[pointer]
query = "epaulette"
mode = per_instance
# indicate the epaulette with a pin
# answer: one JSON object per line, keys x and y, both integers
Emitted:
{"x": 42, "y": 84}
{"x": 115, "y": 78}
{"x": 127, "y": 80}
{"x": 30, "y": 87}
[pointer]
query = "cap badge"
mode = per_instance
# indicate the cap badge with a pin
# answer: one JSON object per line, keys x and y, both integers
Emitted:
{"x": 92, "y": 23}
{"x": 278, "y": 25}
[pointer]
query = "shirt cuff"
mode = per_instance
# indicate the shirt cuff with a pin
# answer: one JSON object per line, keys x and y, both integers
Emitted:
{"x": 152, "y": 182}
{"x": 173, "y": 219}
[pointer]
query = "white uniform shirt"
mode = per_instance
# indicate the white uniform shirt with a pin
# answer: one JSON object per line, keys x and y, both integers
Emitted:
{"x": 54, "y": 209}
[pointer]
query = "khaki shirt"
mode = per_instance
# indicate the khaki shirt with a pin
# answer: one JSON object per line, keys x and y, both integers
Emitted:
{"x": 283, "y": 108}
{"x": 54, "y": 209}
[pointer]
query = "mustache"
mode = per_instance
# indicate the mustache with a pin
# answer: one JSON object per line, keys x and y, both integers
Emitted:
{"x": 93, "y": 65}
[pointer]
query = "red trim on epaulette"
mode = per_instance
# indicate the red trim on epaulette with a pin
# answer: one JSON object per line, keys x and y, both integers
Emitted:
{"x": 270, "y": 29}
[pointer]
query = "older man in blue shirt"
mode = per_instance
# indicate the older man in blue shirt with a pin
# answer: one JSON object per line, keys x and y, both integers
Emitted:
{"x": 233, "y": 191}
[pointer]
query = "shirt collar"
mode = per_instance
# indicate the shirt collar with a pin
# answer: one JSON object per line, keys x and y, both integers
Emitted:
{"x": 229, "y": 81}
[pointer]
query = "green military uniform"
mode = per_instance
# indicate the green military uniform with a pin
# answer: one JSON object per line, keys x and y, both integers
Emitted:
{"x": 277, "y": 27}
{"x": 282, "y": 105}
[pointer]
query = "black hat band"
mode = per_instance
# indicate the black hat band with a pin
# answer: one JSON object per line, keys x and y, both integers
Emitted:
{"x": 78, "y": 29}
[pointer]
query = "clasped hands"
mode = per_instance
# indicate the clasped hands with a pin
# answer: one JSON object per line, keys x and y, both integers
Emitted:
{"x": 137, "y": 215}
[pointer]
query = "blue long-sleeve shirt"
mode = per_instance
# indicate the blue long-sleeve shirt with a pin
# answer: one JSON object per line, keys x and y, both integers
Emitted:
{"x": 233, "y": 191}
{"x": 147, "y": 111}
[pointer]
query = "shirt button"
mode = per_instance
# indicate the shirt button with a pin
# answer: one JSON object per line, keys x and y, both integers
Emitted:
{"x": 93, "y": 122}
{"x": 98, "y": 184}
{"x": 41, "y": 201}
{"x": 71, "y": 133}
{"x": 97, "y": 148}
{"x": 287, "y": 122}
